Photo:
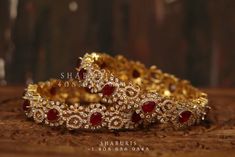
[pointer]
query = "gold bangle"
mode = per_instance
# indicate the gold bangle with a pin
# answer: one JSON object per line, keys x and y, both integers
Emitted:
{"x": 73, "y": 107}
{"x": 153, "y": 95}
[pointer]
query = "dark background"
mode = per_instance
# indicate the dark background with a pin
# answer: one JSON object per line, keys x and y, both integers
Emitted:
{"x": 193, "y": 39}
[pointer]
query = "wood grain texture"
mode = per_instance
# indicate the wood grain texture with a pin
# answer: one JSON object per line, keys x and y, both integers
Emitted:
{"x": 4, "y": 28}
{"x": 193, "y": 39}
{"x": 20, "y": 137}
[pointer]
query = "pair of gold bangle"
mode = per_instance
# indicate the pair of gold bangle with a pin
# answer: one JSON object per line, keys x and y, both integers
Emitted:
{"x": 115, "y": 93}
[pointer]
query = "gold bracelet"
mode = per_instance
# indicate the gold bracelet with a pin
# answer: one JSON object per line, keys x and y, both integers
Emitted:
{"x": 73, "y": 107}
{"x": 153, "y": 96}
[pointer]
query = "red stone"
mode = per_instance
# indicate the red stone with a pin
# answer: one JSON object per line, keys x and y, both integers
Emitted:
{"x": 148, "y": 106}
{"x": 82, "y": 73}
{"x": 26, "y": 105}
{"x": 135, "y": 117}
{"x": 184, "y": 116}
{"x": 96, "y": 118}
{"x": 108, "y": 89}
{"x": 53, "y": 115}
{"x": 135, "y": 73}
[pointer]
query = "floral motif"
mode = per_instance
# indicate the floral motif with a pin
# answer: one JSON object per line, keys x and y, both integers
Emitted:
{"x": 74, "y": 122}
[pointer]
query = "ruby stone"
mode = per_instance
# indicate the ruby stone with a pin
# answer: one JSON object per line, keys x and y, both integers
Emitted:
{"x": 135, "y": 117}
{"x": 26, "y": 105}
{"x": 53, "y": 115}
{"x": 82, "y": 73}
{"x": 135, "y": 73}
{"x": 184, "y": 116}
{"x": 148, "y": 106}
{"x": 108, "y": 89}
{"x": 96, "y": 118}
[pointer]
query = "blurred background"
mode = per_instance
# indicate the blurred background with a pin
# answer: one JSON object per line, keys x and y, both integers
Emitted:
{"x": 193, "y": 39}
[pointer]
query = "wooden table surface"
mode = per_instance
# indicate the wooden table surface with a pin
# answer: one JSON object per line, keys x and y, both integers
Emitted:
{"x": 20, "y": 137}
